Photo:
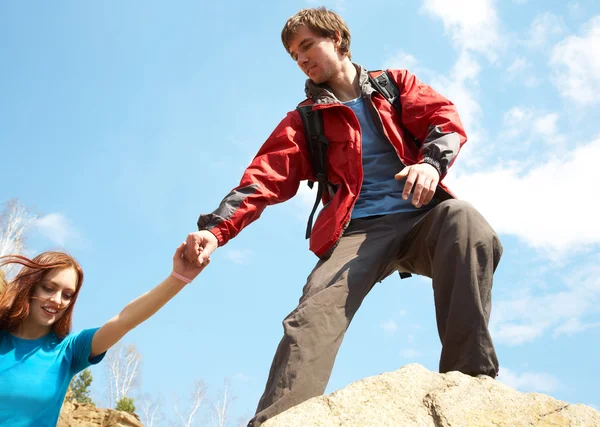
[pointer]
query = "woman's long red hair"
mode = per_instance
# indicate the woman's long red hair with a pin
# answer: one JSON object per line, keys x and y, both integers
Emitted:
{"x": 16, "y": 295}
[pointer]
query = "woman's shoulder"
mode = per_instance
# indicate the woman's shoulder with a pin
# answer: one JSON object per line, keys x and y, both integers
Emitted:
{"x": 78, "y": 338}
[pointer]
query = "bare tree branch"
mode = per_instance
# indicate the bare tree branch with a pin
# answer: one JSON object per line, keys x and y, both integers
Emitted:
{"x": 221, "y": 406}
{"x": 151, "y": 412}
{"x": 122, "y": 363}
{"x": 196, "y": 399}
{"x": 243, "y": 421}
{"x": 15, "y": 219}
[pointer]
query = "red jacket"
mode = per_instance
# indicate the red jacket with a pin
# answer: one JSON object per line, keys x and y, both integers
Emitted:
{"x": 282, "y": 162}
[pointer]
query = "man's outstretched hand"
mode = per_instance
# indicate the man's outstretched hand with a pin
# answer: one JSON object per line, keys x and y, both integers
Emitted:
{"x": 424, "y": 178}
{"x": 199, "y": 246}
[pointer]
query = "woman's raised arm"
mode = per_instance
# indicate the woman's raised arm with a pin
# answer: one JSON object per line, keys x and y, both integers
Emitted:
{"x": 143, "y": 307}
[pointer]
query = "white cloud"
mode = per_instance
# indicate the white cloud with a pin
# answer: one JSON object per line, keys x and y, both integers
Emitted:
{"x": 529, "y": 381}
{"x": 577, "y": 65}
{"x": 389, "y": 326}
{"x": 473, "y": 27}
{"x": 57, "y": 228}
{"x": 403, "y": 60}
{"x": 518, "y": 65}
{"x": 472, "y": 24}
{"x": 545, "y": 205}
{"x": 460, "y": 87}
{"x": 410, "y": 353}
{"x": 517, "y": 116}
{"x": 574, "y": 326}
{"x": 576, "y": 11}
{"x": 516, "y": 121}
{"x": 529, "y": 125}
{"x": 241, "y": 257}
{"x": 544, "y": 27}
{"x": 569, "y": 310}
{"x": 522, "y": 71}
{"x": 513, "y": 334}
{"x": 546, "y": 125}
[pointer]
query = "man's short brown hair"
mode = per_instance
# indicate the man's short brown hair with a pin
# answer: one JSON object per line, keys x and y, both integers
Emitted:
{"x": 320, "y": 20}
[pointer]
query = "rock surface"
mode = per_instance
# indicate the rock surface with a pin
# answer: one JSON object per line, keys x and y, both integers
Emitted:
{"x": 415, "y": 396}
{"x": 74, "y": 414}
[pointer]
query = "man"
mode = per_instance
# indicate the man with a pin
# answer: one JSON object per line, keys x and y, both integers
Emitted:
{"x": 370, "y": 225}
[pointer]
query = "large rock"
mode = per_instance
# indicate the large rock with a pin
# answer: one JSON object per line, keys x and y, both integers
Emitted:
{"x": 415, "y": 396}
{"x": 75, "y": 414}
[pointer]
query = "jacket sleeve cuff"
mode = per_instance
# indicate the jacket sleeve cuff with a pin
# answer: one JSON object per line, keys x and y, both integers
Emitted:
{"x": 221, "y": 240}
{"x": 431, "y": 161}
{"x": 217, "y": 233}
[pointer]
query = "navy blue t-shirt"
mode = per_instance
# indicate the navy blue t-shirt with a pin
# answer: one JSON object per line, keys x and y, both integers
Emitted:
{"x": 380, "y": 193}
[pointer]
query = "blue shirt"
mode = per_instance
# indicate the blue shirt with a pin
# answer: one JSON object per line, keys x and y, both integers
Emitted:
{"x": 380, "y": 193}
{"x": 35, "y": 375}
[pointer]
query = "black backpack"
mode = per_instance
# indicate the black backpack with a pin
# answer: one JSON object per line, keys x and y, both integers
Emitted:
{"x": 317, "y": 143}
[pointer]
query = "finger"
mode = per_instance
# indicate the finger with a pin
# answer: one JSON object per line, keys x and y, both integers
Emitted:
{"x": 192, "y": 248}
{"x": 179, "y": 252}
{"x": 425, "y": 197}
{"x": 430, "y": 193}
{"x": 190, "y": 239}
{"x": 205, "y": 254}
{"x": 402, "y": 174}
{"x": 420, "y": 191}
{"x": 194, "y": 257}
{"x": 198, "y": 261}
{"x": 410, "y": 180}
{"x": 187, "y": 258}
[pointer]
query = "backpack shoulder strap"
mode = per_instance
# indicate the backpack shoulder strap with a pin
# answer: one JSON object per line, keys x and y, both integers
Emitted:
{"x": 316, "y": 145}
{"x": 383, "y": 83}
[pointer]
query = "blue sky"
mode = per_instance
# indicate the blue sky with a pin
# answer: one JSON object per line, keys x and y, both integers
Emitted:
{"x": 121, "y": 122}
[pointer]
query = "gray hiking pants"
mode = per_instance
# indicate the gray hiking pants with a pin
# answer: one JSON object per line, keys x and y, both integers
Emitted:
{"x": 451, "y": 243}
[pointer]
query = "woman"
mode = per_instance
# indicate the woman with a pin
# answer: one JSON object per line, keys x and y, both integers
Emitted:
{"x": 38, "y": 354}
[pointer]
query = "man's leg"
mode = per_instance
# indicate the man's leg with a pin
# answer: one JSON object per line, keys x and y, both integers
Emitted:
{"x": 314, "y": 331}
{"x": 455, "y": 246}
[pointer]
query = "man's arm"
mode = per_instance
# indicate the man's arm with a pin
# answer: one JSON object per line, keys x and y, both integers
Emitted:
{"x": 434, "y": 120}
{"x": 273, "y": 177}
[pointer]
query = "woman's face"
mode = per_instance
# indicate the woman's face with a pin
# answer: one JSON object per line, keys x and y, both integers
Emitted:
{"x": 52, "y": 296}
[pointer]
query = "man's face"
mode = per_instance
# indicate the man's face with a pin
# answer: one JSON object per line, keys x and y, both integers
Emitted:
{"x": 316, "y": 56}
{"x": 52, "y": 296}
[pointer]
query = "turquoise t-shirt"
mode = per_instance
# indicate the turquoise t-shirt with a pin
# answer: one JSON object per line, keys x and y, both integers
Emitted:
{"x": 381, "y": 193}
{"x": 35, "y": 375}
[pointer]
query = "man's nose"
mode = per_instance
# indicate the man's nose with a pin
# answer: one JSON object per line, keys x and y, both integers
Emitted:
{"x": 302, "y": 59}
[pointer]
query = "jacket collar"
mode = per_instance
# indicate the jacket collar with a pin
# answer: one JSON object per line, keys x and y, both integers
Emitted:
{"x": 322, "y": 94}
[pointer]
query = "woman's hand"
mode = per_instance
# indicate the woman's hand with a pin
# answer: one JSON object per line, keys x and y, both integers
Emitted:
{"x": 184, "y": 267}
